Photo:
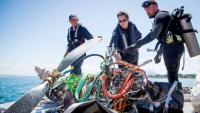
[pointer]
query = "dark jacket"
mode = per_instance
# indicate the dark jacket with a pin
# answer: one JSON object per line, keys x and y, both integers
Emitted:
{"x": 121, "y": 40}
{"x": 77, "y": 37}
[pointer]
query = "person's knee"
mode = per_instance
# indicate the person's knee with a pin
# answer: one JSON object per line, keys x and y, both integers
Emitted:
{"x": 172, "y": 70}
{"x": 172, "y": 67}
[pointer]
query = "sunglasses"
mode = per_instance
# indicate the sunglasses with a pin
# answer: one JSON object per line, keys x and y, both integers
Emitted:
{"x": 120, "y": 21}
{"x": 73, "y": 19}
{"x": 148, "y": 3}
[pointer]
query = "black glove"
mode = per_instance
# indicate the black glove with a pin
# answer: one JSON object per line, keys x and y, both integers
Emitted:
{"x": 157, "y": 58}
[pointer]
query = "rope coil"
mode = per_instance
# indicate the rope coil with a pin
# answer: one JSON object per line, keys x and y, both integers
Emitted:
{"x": 128, "y": 75}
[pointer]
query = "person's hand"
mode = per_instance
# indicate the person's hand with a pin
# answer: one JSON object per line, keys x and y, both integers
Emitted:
{"x": 117, "y": 56}
{"x": 157, "y": 59}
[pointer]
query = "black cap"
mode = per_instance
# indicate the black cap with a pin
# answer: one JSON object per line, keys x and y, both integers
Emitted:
{"x": 72, "y": 16}
{"x": 147, "y": 3}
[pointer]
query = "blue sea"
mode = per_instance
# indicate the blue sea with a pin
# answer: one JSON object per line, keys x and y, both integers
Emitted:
{"x": 14, "y": 87}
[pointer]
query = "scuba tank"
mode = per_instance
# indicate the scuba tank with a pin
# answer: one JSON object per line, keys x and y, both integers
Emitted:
{"x": 188, "y": 32}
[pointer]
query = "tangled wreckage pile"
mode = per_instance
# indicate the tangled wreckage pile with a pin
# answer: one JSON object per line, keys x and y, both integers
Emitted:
{"x": 119, "y": 87}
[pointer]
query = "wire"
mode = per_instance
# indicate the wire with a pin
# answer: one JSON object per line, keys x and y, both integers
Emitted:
{"x": 128, "y": 75}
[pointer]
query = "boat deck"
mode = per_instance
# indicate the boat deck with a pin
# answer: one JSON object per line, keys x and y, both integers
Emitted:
{"x": 187, "y": 107}
{"x": 45, "y": 105}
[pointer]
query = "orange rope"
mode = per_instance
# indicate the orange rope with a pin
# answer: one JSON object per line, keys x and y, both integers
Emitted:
{"x": 120, "y": 100}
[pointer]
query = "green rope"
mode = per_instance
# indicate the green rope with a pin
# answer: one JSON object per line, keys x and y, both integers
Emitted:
{"x": 79, "y": 89}
{"x": 91, "y": 83}
{"x": 95, "y": 82}
{"x": 71, "y": 83}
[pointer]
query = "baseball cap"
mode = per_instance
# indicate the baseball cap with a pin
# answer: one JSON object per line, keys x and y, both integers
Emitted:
{"x": 72, "y": 16}
{"x": 147, "y": 3}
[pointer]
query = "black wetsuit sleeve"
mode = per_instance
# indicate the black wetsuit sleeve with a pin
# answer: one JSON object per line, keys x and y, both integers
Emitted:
{"x": 151, "y": 36}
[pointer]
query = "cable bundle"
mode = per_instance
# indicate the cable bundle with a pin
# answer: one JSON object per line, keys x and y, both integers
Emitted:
{"x": 119, "y": 84}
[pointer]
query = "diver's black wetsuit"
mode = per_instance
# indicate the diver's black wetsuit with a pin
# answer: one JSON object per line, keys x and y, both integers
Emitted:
{"x": 172, "y": 52}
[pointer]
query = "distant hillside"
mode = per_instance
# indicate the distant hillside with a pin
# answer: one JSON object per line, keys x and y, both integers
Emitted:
{"x": 164, "y": 76}
{"x": 150, "y": 72}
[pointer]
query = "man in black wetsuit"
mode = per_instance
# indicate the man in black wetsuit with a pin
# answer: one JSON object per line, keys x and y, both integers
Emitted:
{"x": 168, "y": 36}
{"x": 168, "y": 33}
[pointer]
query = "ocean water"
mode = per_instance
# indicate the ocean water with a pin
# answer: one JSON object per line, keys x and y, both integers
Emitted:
{"x": 14, "y": 87}
{"x": 186, "y": 82}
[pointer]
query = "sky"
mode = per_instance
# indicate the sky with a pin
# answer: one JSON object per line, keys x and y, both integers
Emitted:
{"x": 33, "y": 32}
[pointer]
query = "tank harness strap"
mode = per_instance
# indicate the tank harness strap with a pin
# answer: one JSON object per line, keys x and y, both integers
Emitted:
{"x": 190, "y": 30}
{"x": 183, "y": 60}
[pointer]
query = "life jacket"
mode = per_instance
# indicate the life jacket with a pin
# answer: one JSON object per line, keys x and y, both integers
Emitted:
{"x": 77, "y": 39}
{"x": 134, "y": 36}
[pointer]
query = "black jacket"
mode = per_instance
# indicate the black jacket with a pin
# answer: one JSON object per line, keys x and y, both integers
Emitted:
{"x": 120, "y": 43}
{"x": 77, "y": 37}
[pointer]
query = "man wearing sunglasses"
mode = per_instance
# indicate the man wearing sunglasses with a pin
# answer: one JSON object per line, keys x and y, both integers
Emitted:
{"x": 172, "y": 49}
{"x": 75, "y": 37}
{"x": 124, "y": 35}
